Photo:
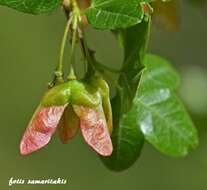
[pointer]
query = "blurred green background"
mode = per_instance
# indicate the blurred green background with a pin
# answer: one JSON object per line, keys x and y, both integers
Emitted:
{"x": 29, "y": 47}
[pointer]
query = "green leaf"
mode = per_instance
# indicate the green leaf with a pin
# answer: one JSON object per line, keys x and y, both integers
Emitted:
{"x": 127, "y": 138}
{"x": 135, "y": 41}
{"x": 161, "y": 116}
{"x": 113, "y": 14}
{"x": 32, "y": 6}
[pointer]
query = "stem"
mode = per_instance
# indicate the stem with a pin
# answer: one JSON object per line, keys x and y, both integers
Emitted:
{"x": 76, "y": 13}
{"x": 104, "y": 67}
{"x": 59, "y": 69}
{"x": 73, "y": 46}
{"x": 85, "y": 50}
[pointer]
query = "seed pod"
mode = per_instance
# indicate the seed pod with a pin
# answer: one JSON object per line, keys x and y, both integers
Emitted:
{"x": 52, "y": 108}
{"x": 58, "y": 95}
{"x": 68, "y": 125}
{"x": 106, "y": 104}
{"x": 83, "y": 94}
{"x": 74, "y": 92}
{"x": 103, "y": 88}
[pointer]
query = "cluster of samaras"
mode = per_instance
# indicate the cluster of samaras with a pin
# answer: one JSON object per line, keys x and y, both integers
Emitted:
{"x": 68, "y": 106}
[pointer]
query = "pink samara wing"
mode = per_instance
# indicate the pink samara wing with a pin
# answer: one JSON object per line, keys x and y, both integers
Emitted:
{"x": 94, "y": 129}
{"x": 41, "y": 128}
